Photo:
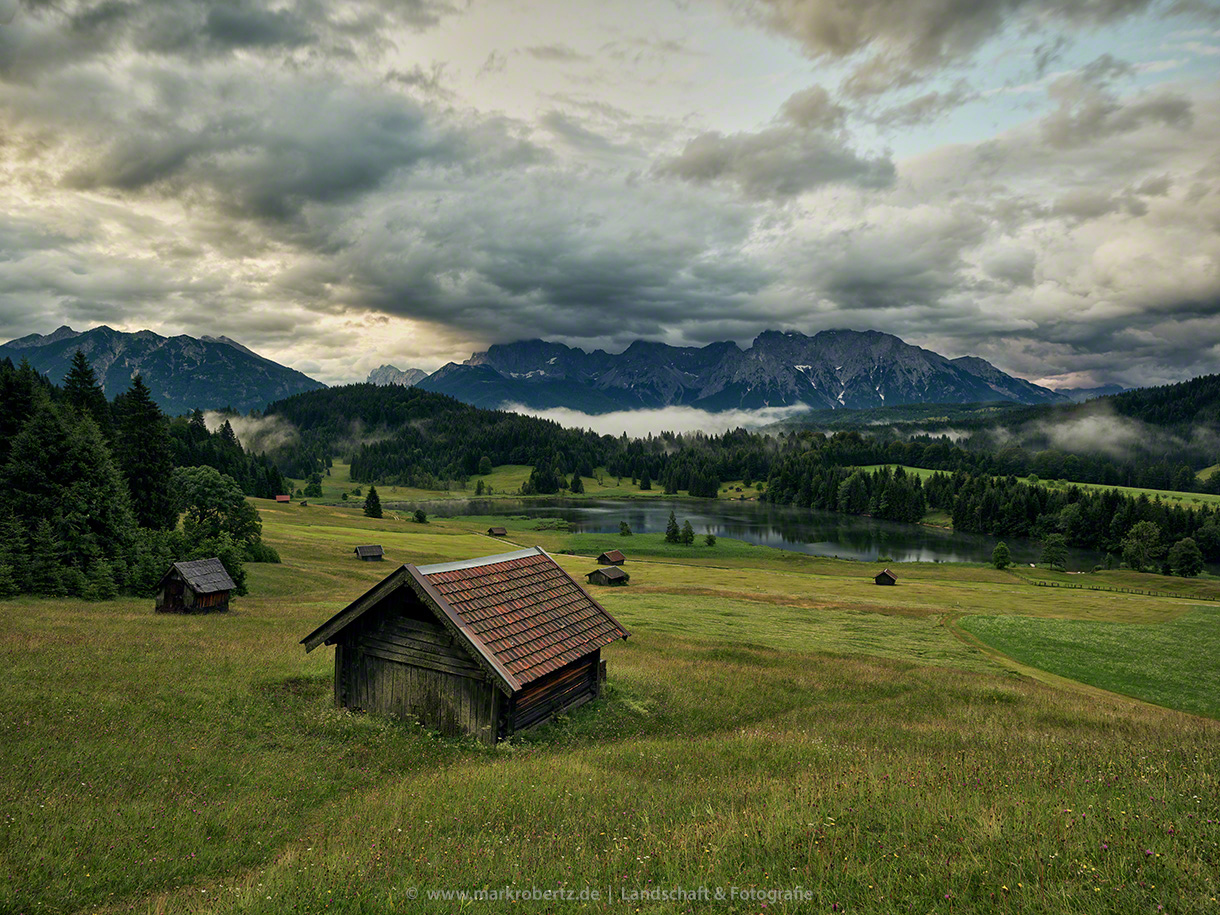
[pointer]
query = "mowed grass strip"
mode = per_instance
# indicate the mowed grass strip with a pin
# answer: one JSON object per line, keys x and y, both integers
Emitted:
{"x": 1174, "y": 663}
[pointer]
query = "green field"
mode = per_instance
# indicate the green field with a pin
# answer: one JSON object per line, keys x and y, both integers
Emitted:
{"x": 1171, "y": 663}
{"x": 503, "y": 482}
{"x": 775, "y": 721}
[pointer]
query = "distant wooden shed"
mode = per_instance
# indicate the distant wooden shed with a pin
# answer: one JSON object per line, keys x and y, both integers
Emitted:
{"x": 198, "y": 586}
{"x": 497, "y": 532}
{"x": 885, "y": 577}
{"x": 610, "y": 576}
{"x": 611, "y": 558}
{"x": 371, "y": 553}
{"x": 283, "y": 498}
{"x": 487, "y": 647}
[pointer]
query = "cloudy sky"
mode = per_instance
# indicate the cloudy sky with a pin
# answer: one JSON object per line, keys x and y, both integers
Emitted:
{"x": 403, "y": 181}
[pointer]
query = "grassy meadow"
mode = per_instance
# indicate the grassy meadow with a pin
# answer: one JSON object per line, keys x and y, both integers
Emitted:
{"x": 962, "y": 742}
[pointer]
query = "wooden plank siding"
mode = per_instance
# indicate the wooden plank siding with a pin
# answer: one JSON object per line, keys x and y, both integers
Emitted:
{"x": 559, "y": 691}
{"x": 412, "y": 668}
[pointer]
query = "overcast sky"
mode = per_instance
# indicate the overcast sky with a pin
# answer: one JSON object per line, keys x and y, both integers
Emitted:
{"x": 341, "y": 185}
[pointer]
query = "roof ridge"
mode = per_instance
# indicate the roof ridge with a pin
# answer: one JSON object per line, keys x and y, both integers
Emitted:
{"x": 480, "y": 561}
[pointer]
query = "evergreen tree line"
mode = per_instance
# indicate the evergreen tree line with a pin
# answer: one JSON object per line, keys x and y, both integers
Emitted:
{"x": 892, "y": 494}
{"x": 90, "y": 496}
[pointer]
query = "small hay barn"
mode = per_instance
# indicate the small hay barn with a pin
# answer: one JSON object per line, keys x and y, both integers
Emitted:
{"x": 487, "y": 647}
{"x": 611, "y": 558}
{"x": 283, "y": 498}
{"x": 497, "y": 532}
{"x": 198, "y": 586}
{"x": 885, "y": 577}
{"x": 371, "y": 553}
{"x": 609, "y": 576}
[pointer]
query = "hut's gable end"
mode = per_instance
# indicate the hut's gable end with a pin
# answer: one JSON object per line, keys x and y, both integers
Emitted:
{"x": 401, "y": 628}
{"x": 398, "y": 659}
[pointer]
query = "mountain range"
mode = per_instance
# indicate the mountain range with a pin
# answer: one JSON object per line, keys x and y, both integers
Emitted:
{"x": 833, "y": 369}
{"x": 183, "y": 373}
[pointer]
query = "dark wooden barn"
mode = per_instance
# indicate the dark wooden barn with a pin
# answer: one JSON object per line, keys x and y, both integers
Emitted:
{"x": 609, "y": 576}
{"x": 885, "y": 577}
{"x": 371, "y": 553}
{"x": 198, "y": 586}
{"x": 486, "y": 647}
{"x": 611, "y": 558}
{"x": 497, "y": 532}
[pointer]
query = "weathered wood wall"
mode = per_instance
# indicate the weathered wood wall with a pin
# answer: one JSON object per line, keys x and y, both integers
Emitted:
{"x": 411, "y": 668}
{"x": 557, "y": 692}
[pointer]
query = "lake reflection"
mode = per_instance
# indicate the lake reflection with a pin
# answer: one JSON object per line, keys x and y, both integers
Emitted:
{"x": 785, "y": 527}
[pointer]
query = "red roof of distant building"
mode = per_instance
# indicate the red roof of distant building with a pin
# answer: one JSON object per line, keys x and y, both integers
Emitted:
{"x": 283, "y": 498}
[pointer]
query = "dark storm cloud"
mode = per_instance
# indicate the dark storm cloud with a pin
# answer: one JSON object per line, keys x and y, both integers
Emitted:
{"x": 777, "y": 162}
{"x": 269, "y": 153}
{"x": 557, "y": 257}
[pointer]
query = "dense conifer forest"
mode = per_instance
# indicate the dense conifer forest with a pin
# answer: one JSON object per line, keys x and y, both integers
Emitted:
{"x": 91, "y": 491}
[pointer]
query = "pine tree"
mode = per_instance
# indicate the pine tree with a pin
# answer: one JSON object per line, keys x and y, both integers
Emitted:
{"x": 8, "y": 583}
{"x": 82, "y": 391}
{"x": 672, "y": 532}
{"x": 372, "y": 503}
{"x": 101, "y": 584}
{"x": 46, "y": 568}
{"x": 15, "y": 551}
{"x": 577, "y": 483}
{"x": 143, "y": 451}
{"x": 624, "y": 529}
{"x": 688, "y": 533}
{"x": 60, "y": 474}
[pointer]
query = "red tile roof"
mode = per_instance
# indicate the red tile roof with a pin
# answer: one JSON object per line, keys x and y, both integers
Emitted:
{"x": 612, "y": 556}
{"x": 525, "y": 610}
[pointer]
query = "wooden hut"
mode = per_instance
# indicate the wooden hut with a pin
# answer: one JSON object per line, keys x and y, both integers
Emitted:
{"x": 611, "y": 558}
{"x": 198, "y": 586}
{"x": 497, "y": 532}
{"x": 609, "y": 576}
{"x": 371, "y": 553}
{"x": 486, "y": 647}
{"x": 283, "y": 498}
{"x": 885, "y": 577}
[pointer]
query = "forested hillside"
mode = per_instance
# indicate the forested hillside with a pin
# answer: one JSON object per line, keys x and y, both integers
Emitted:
{"x": 91, "y": 490}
